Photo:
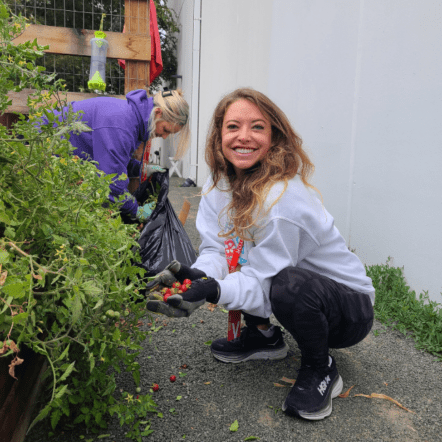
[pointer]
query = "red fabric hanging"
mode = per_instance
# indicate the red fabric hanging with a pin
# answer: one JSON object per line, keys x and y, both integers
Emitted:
{"x": 156, "y": 61}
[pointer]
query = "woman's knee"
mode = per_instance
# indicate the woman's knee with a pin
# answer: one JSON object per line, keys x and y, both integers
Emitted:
{"x": 289, "y": 287}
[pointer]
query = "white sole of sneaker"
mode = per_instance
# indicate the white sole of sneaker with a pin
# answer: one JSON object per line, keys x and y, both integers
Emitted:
{"x": 280, "y": 353}
{"x": 318, "y": 415}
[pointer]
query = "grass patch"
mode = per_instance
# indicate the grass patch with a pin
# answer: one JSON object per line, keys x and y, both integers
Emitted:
{"x": 398, "y": 307}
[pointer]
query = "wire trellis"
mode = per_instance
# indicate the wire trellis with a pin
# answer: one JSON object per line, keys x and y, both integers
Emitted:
{"x": 77, "y": 14}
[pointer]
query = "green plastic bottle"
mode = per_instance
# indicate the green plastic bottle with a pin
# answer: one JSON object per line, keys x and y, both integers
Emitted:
{"x": 97, "y": 75}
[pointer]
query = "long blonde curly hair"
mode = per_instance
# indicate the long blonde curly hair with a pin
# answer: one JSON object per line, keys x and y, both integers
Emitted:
{"x": 284, "y": 160}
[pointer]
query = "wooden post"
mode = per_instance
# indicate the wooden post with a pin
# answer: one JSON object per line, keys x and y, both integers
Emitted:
{"x": 137, "y": 22}
{"x": 184, "y": 213}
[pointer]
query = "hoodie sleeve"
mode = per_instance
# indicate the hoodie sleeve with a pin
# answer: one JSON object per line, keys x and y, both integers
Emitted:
{"x": 211, "y": 259}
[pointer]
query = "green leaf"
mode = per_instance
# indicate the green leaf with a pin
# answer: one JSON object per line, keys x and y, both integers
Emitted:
{"x": 92, "y": 362}
{"x": 234, "y": 426}
{"x": 43, "y": 413}
{"x": 102, "y": 348}
{"x": 251, "y": 438}
{"x": 116, "y": 334}
{"x": 20, "y": 318}
{"x": 16, "y": 290}
{"x": 91, "y": 288}
{"x": 78, "y": 274}
{"x": 178, "y": 398}
{"x": 61, "y": 392}
{"x": 136, "y": 376}
{"x": 76, "y": 308}
{"x": 4, "y": 218}
{"x": 208, "y": 343}
{"x": 98, "y": 304}
{"x": 55, "y": 417}
{"x": 7, "y": 304}
{"x": 64, "y": 354}
{"x": 129, "y": 287}
{"x": 67, "y": 372}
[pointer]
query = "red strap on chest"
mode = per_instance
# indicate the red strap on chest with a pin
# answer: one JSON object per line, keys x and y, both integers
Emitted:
{"x": 234, "y": 322}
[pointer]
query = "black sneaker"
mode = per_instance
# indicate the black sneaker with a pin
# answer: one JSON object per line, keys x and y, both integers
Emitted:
{"x": 188, "y": 183}
{"x": 311, "y": 396}
{"x": 251, "y": 344}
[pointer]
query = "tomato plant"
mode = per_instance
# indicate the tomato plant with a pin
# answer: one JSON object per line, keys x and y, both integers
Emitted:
{"x": 66, "y": 258}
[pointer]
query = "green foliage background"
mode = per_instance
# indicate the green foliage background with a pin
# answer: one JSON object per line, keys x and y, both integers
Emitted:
{"x": 398, "y": 307}
{"x": 66, "y": 261}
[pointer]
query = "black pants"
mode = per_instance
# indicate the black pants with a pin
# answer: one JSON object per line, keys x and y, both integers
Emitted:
{"x": 319, "y": 312}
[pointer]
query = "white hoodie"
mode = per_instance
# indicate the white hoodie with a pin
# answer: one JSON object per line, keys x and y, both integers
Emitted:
{"x": 297, "y": 231}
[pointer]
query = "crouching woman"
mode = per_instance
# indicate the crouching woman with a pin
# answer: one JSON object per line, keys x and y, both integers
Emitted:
{"x": 294, "y": 263}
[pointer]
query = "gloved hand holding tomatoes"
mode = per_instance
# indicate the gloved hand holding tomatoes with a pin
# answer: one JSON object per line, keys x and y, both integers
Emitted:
{"x": 179, "y": 290}
{"x": 183, "y": 299}
{"x": 175, "y": 271}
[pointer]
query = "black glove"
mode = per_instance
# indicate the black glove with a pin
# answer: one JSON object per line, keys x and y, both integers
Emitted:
{"x": 184, "y": 304}
{"x": 173, "y": 272}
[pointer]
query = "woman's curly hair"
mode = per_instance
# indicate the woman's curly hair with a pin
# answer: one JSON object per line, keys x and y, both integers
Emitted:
{"x": 284, "y": 160}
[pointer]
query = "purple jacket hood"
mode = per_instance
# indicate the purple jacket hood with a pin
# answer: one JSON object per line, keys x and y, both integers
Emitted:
{"x": 142, "y": 106}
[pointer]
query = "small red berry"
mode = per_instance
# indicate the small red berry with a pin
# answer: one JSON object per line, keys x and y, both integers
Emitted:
{"x": 172, "y": 378}
{"x": 155, "y": 387}
{"x": 187, "y": 282}
{"x": 176, "y": 284}
{"x": 166, "y": 296}
{"x": 183, "y": 288}
{"x": 168, "y": 292}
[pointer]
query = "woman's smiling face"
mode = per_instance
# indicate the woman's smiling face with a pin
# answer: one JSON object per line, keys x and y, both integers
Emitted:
{"x": 246, "y": 135}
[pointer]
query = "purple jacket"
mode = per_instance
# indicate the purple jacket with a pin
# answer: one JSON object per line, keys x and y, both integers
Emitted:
{"x": 118, "y": 128}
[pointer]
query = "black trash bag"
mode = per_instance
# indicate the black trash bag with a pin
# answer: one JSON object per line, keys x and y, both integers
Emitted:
{"x": 163, "y": 237}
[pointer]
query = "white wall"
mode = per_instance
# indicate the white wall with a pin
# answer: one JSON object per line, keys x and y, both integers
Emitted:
{"x": 361, "y": 81}
{"x": 234, "y": 53}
